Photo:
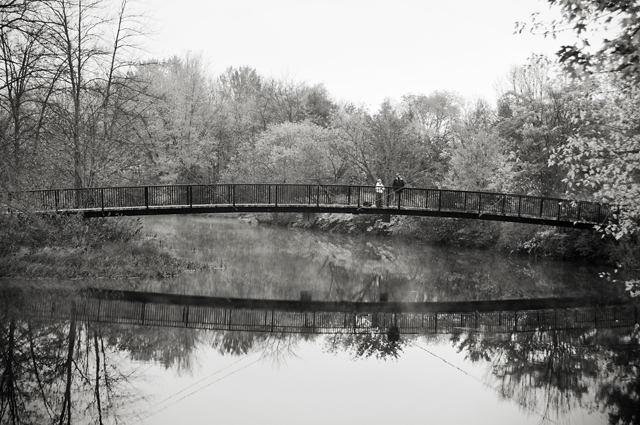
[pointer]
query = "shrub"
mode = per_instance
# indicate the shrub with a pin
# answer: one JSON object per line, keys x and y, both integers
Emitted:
{"x": 33, "y": 232}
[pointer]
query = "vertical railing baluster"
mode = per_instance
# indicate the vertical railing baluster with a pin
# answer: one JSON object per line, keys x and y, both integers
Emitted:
{"x": 579, "y": 210}
{"x": 541, "y": 206}
{"x": 318, "y": 197}
{"x": 479, "y": 202}
{"x": 599, "y": 219}
{"x": 146, "y": 197}
{"x": 519, "y": 204}
{"x": 233, "y": 194}
{"x": 276, "y": 203}
{"x": 440, "y": 200}
{"x": 56, "y": 198}
{"x": 348, "y": 195}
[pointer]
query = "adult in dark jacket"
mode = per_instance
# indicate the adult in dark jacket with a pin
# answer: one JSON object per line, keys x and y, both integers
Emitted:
{"x": 398, "y": 186}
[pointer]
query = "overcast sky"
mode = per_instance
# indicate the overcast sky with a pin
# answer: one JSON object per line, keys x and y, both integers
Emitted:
{"x": 363, "y": 51}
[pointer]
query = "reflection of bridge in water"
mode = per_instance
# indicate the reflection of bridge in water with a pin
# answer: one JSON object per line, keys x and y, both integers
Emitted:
{"x": 225, "y": 198}
{"x": 198, "y": 312}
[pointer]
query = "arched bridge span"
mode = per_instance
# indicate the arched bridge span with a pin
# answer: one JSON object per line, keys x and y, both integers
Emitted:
{"x": 225, "y": 198}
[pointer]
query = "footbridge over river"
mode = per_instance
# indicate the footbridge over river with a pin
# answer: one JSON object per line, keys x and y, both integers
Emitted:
{"x": 305, "y": 198}
{"x": 318, "y": 317}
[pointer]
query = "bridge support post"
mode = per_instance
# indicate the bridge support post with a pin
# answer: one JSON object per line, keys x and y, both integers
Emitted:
{"x": 308, "y": 217}
{"x": 386, "y": 218}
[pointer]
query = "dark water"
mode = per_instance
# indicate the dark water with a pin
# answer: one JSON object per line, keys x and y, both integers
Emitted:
{"x": 118, "y": 373}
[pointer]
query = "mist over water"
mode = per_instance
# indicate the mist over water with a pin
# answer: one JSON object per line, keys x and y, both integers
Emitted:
{"x": 256, "y": 261}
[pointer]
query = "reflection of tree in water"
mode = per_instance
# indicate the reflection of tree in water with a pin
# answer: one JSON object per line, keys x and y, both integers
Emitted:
{"x": 171, "y": 347}
{"x": 365, "y": 345}
{"x": 61, "y": 373}
{"x": 347, "y": 285}
{"x": 553, "y": 373}
{"x": 620, "y": 393}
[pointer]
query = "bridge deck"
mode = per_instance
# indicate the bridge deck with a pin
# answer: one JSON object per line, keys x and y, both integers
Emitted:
{"x": 224, "y": 198}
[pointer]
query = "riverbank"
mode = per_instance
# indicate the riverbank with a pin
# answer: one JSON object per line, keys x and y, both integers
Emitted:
{"x": 534, "y": 240}
{"x": 69, "y": 247}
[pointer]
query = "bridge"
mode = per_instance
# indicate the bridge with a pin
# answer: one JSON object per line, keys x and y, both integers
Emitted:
{"x": 318, "y": 317}
{"x": 305, "y": 198}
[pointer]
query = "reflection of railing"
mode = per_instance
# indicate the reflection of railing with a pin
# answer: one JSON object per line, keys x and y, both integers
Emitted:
{"x": 182, "y": 198}
{"x": 317, "y": 317}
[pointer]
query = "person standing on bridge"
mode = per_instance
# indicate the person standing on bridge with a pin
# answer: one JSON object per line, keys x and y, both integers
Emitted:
{"x": 398, "y": 187}
{"x": 379, "y": 193}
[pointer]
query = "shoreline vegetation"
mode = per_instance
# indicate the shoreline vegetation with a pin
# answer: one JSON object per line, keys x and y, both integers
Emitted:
{"x": 512, "y": 238}
{"x": 69, "y": 247}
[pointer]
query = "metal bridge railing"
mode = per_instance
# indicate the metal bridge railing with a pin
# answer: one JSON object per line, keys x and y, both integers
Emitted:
{"x": 196, "y": 196}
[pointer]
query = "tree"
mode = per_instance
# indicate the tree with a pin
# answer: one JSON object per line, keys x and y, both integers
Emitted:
{"x": 604, "y": 157}
{"x": 350, "y": 121}
{"x": 292, "y": 153}
{"x": 436, "y": 118}
{"x": 602, "y": 152}
{"x": 619, "y": 55}
{"x": 536, "y": 113}
{"x": 23, "y": 87}
{"x": 180, "y": 120}
{"x": 396, "y": 143}
{"x": 319, "y": 107}
{"x": 282, "y": 100}
{"x": 477, "y": 162}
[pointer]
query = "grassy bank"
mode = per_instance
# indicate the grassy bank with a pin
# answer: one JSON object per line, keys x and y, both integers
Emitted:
{"x": 69, "y": 247}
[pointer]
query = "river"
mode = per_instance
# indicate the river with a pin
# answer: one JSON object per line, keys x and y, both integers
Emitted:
{"x": 125, "y": 373}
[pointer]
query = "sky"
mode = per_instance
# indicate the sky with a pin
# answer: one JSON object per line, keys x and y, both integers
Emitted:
{"x": 362, "y": 51}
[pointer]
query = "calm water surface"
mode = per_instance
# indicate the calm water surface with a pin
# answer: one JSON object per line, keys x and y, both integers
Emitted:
{"x": 272, "y": 262}
{"x": 114, "y": 373}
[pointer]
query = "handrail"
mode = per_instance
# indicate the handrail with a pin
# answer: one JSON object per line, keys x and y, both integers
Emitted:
{"x": 446, "y": 202}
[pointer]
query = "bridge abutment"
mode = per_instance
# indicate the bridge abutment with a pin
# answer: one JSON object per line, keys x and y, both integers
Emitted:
{"x": 308, "y": 217}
